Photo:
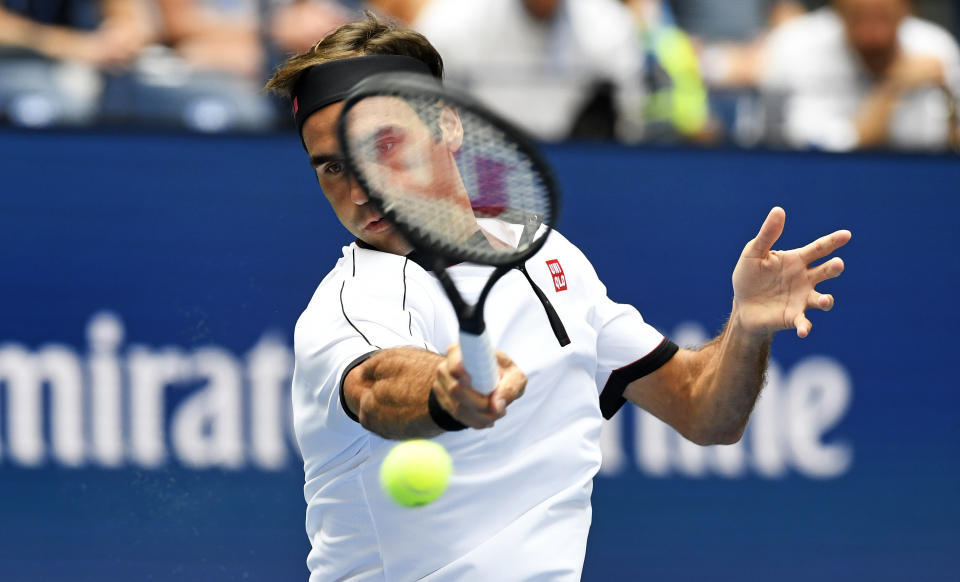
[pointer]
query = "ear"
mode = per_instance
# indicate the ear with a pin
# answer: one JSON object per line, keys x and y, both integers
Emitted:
{"x": 451, "y": 130}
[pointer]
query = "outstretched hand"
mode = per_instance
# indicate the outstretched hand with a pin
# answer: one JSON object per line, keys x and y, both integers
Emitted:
{"x": 773, "y": 289}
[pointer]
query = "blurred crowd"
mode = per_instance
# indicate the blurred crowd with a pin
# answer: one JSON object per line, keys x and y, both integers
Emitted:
{"x": 811, "y": 74}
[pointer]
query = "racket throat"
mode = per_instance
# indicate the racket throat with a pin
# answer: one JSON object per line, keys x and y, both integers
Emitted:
{"x": 470, "y": 316}
{"x": 472, "y": 322}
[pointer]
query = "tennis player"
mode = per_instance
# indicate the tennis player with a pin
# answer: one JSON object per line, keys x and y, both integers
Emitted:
{"x": 376, "y": 359}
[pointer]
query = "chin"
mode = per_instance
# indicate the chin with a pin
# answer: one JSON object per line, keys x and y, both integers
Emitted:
{"x": 386, "y": 244}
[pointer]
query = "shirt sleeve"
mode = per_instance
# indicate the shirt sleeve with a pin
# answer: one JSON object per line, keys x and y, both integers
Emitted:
{"x": 628, "y": 347}
{"x": 371, "y": 306}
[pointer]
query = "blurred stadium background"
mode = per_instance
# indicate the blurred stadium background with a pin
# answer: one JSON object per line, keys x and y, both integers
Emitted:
{"x": 160, "y": 232}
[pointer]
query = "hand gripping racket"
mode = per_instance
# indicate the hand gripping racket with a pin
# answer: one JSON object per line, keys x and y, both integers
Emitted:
{"x": 457, "y": 181}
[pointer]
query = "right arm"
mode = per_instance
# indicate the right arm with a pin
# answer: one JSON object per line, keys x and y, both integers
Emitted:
{"x": 389, "y": 392}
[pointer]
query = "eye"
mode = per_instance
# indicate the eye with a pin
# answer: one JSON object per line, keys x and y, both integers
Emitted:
{"x": 332, "y": 169}
{"x": 387, "y": 142}
{"x": 385, "y": 145}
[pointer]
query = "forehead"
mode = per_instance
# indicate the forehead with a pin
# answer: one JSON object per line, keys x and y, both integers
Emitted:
{"x": 373, "y": 113}
{"x": 320, "y": 130}
{"x": 366, "y": 117}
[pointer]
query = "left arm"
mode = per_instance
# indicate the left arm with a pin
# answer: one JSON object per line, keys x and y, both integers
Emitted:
{"x": 707, "y": 394}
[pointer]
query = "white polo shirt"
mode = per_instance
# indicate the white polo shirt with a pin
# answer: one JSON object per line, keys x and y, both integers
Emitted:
{"x": 518, "y": 503}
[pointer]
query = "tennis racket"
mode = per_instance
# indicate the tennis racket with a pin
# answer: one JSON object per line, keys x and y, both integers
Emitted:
{"x": 460, "y": 183}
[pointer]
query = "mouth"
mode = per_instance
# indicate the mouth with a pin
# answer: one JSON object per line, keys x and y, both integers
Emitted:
{"x": 376, "y": 224}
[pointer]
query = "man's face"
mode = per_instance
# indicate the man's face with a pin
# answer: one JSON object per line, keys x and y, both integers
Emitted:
{"x": 348, "y": 200}
{"x": 871, "y": 28}
{"x": 401, "y": 157}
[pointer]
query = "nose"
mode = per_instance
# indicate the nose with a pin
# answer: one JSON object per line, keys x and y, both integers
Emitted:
{"x": 357, "y": 195}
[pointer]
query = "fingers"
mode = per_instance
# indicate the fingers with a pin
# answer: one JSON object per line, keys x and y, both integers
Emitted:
{"x": 802, "y": 324}
{"x": 829, "y": 270}
{"x": 821, "y": 301}
{"x": 815, "y": 300}
{"x": 453, "y": 391}
{"x": 511, "y": 386}
{"x": 476, "y": 410}
{"x": 770, "y": 231}
{"x": 824, "y": 245}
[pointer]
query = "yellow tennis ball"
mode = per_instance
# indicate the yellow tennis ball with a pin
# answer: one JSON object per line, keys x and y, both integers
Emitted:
{"x": 416, "y": 472}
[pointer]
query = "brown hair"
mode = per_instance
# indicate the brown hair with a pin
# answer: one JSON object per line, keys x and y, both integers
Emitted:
{"x": 369, "y": 36}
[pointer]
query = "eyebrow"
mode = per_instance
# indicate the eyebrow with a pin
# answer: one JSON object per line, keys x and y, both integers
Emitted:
{"x": 378, "y": 132}
{"x": 320, "y": 159}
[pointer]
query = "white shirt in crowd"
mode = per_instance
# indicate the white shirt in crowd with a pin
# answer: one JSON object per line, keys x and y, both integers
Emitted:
{"x": 823, "y": 83}
{"x": 540, "y": 75}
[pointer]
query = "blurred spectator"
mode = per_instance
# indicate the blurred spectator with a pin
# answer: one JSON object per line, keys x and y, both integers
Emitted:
{"x": 863, "y": 73}
{"x": 221, "y": 35}
{"x": 677, "y": 103}
{"x": 296, "y": 25}
{"x": 52, "y": 52}
{"x": 731, "y": 35}
{"x": 740, "y": 21}
{"x": 558, "y": 68}
{"x": 103, "y": 34}
{"x": 204, "y": 73}
{"x": 716, "y": 89}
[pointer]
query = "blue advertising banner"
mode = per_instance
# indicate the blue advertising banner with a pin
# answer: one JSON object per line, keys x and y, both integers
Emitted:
{"x": 151, "y": 283}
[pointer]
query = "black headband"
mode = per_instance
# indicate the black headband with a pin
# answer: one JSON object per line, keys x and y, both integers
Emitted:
{"x": 327, "y": 83}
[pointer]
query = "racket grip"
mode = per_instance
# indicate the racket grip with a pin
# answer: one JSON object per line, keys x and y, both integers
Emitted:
{"x": 479, "y": 361}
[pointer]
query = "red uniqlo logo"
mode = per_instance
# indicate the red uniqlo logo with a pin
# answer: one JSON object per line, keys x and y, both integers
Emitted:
{"x": 559, "y": 280}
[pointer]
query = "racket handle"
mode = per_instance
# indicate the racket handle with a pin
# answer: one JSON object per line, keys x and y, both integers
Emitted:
{"x": 479, "y": 361}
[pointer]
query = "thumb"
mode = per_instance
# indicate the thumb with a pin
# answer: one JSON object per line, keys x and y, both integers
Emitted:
{"x": 511, "y": 385}
{"x": 770, "y": 232}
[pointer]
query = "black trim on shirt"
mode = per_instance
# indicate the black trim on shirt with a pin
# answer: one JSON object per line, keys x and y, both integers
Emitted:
{"x": 343, "y": 378}
{"x": 611, "y": 397}
{"x": 403, "y": 304}
{"x": 343, "y": 310}
{"x": 556, "y": 324}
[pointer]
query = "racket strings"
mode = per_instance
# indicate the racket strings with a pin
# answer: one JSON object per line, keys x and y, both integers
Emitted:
{"x": 445, "y": 174}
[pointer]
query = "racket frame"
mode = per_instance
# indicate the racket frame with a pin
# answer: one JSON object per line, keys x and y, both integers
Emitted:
{"x": 422, "y": 85}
